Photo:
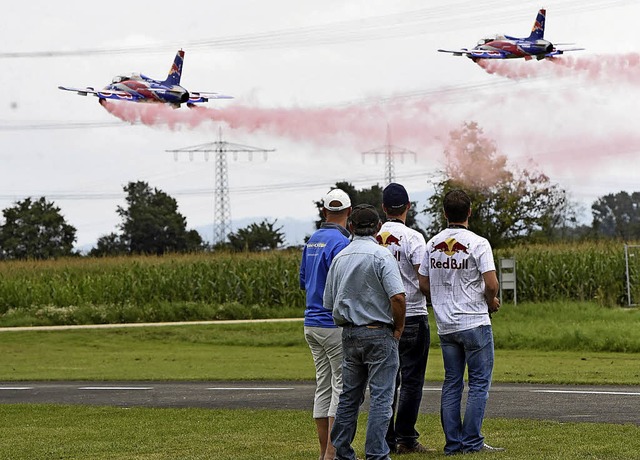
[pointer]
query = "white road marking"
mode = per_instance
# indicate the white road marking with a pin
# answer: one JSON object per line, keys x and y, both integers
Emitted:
{"x": 250, "y": 388}
{"x": 16, "y": 388}
{"x": 116, "y": 388}
{"x": 126, "y": 325}
{"x": 585, "y": 392}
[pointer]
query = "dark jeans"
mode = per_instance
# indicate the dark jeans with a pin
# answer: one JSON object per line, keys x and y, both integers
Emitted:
{"x": 414, "y": 351}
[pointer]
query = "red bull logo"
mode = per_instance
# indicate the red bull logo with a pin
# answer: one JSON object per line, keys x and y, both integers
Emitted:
{"x": 386, "y": 239}
{"x": 450, "y": 247}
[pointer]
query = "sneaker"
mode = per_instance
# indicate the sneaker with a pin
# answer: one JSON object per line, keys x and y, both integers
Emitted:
{"x": 415, "y": 449}
{"x": 487, "y": 448}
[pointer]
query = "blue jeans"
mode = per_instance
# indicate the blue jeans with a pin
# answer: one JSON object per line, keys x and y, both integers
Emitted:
{"x": 369, "y": 355}
{"x": 473, "y": 348}
{"x": 414, "y": 352}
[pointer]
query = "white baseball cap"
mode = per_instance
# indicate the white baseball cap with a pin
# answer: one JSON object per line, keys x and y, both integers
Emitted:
{"x": 339, "y": 199}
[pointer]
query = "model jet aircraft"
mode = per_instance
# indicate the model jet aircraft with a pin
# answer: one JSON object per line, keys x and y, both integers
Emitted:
{"x": 507, "y": 47}
{"x": 136, "y": 87}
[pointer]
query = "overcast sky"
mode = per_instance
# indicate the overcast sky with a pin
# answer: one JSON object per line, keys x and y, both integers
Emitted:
{"x": 317, "y": 81}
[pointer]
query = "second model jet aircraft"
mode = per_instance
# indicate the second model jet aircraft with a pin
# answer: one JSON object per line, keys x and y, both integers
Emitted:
{"x": 135, "y": 87}
{"x": 507, "y": 47}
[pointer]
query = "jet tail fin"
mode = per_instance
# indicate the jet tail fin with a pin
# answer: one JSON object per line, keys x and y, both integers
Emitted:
{"x": 537, "y": 31}
{"x": 176, "y": 70}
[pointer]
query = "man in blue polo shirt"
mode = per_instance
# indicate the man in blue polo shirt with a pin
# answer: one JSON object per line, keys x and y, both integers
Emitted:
{"x": 321, "y": 333}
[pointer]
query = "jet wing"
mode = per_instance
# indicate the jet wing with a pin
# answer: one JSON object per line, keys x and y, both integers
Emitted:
{"x": 195, "y": 97}
{"x": 559, "y": 51}
{"x": 476, "y": 54}
{"x": 104, "y": 94}
{"x": 460, "y": 52}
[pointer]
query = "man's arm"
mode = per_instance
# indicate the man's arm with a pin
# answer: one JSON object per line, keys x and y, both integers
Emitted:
{"x": 423, "y": 282}
{"x": 398, "y": 310}
{"x": 491, "y": 287}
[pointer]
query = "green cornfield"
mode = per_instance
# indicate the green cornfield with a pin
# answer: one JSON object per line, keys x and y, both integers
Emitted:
{"x": 140, "y": 289}
{"x": 593, "y": 271}
{"x": 265, "y": 285}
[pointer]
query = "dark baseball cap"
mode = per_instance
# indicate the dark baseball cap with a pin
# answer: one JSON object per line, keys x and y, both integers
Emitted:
{"x": 364, "y": 216}
{"x": 394, "y": 196}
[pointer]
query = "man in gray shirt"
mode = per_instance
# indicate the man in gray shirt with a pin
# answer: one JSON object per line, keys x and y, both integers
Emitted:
{"x": 365, "y": 291}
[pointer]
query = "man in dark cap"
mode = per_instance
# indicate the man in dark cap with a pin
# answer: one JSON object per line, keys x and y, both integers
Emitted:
{"x": 365, "y": 291}
{"x": 408, "y": 248}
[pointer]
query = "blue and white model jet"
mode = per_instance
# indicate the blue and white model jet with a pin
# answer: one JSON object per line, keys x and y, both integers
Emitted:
{"x": 135, "y": 87}
{"x": 507, "y": 47}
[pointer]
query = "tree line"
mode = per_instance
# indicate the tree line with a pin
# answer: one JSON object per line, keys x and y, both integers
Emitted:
{"x": 510, "y": 206}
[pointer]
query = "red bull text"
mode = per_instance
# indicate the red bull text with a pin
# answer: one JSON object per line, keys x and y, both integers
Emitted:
{"x": 450, "y": 247}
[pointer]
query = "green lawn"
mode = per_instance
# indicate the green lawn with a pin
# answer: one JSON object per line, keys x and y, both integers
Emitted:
{"x": 34, "y": 432}
{"x": 536, "y": 343}
{"x": 565, "y": 343}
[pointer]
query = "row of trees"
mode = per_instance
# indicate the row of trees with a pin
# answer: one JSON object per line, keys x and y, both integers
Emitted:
{"x": 151, "y": 224}
{"x": 510, "y": 205}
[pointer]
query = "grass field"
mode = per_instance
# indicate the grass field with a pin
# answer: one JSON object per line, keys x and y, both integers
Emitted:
{"x": 535, "y": 343}
{"x": 35, "y": 432}
{"x": 541, "y": 343}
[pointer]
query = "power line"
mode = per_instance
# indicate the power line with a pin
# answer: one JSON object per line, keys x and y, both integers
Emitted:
{"x": 246, "y": 190}
{"x": 424, "y": 21}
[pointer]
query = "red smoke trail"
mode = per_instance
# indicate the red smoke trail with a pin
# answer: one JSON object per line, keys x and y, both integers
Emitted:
{"x": 563, "y": 143}
{"x": 363, "y": 124}
{"x": 611, "y": 68}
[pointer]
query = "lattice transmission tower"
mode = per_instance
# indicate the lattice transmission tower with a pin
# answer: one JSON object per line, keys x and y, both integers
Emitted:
{"x": 221, "y": 201}
{"x": 389, "y": 152}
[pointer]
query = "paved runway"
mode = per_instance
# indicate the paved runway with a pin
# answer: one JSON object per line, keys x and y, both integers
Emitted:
{"x": 610, "y": 404}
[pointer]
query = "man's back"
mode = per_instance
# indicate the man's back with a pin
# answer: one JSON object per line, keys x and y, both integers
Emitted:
{"x": 362, "y": 279}
{"x": 317, "y": 256}
{"x": 407, "y": 246}
{"x": 455, "y": 261}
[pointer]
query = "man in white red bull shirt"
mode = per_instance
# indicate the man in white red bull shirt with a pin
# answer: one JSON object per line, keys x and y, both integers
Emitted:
{"x": 459, "y": 273}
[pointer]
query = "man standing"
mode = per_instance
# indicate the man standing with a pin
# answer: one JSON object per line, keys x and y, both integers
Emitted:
{"x": 365, "y": 291}
{"x": 459, "y": 272}
{"x": 408, "y": 247}
{"x": 320, "y": 332}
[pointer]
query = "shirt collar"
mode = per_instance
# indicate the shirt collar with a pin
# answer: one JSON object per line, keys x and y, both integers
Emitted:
{"x": 340, "y": 228}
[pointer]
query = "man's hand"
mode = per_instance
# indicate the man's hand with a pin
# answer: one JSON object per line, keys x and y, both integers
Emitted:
{"x": 397, "y": 333}
{"x": 494, "y": 305}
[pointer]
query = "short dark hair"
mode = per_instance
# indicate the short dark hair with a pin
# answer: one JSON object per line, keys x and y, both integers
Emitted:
{"x": 393, "y": 212}
{"x": 456, "y": 204}
{"x": 364, "y": 220}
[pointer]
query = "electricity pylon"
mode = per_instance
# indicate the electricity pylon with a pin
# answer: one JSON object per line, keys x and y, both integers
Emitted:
{"x": 221, "y": 202}
{"x": 390, "y": 152}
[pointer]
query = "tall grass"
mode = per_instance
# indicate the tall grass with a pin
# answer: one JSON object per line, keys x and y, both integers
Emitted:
{"x": 233, "y": 286}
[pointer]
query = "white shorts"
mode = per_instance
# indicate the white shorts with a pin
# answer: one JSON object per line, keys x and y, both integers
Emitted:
{"x": 326, "y": 348}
